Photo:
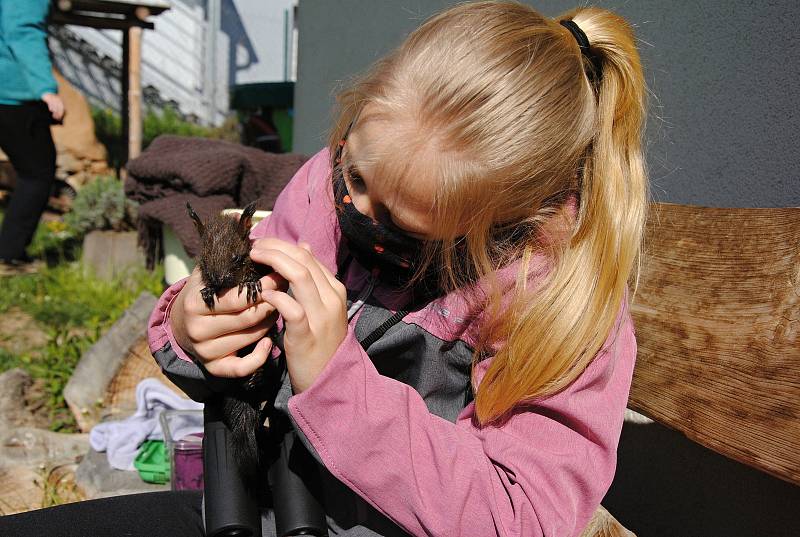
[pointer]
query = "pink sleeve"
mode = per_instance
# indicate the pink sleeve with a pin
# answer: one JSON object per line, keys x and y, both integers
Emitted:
{"x": 285, "y": 222}
{"x": 543, "y": 472}
{"x": 159, "y": 331}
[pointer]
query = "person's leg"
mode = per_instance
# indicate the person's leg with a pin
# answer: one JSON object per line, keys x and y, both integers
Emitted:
{"x": 153, "y": 514}
{"x": 25, "y": 137}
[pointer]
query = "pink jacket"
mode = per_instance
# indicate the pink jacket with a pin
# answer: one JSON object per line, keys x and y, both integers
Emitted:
{"x": 395, "y": 423}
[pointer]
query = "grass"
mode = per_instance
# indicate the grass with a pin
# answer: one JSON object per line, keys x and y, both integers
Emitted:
{"x": 74, "y": 309}
{"x": 71, "y": 306}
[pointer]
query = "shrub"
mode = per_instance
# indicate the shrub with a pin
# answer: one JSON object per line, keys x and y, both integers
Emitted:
{"x": 102, "y": 205}
{"x": 108, "y": 129}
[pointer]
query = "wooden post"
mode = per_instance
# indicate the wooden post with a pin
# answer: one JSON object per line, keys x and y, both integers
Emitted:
{"x": 135, "y": 92}
{"x": 124, "y": 85}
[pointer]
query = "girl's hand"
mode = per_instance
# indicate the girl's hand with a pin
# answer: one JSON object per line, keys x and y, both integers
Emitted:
{"x": 214, "y": 337}
{"x": 314, "y": 315}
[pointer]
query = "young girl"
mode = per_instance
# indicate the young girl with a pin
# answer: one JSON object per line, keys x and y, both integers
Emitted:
{"x": 457, "y": 334}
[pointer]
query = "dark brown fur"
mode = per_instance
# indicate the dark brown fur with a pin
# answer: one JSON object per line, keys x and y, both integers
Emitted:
{"x": 224, "y": 263}
{"x": 224, "y": 259}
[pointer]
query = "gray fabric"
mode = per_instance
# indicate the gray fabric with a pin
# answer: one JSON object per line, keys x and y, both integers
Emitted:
{"x": 193, "y": 379}
{"x": 439, "y": 370}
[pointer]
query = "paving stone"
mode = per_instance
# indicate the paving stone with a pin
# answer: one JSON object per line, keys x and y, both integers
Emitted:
{"x": 29, "y": 446}
{"x": 97, "y": 479}
{"x": 13, "y": 410}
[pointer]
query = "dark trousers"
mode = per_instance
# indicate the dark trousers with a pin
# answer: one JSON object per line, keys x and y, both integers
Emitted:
{"x": 154, "y": 514}
{"x": 25, "y": 138}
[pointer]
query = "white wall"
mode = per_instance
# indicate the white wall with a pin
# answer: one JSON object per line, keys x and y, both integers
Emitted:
{"x": 259, "y": 48}
{"x": 249, "y": 48}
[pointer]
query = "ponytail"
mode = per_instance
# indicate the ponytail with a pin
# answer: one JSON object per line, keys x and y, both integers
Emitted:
{"x": 554, "y": 338}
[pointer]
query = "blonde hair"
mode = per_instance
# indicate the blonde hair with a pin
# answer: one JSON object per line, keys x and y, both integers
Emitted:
{"x": 493, "y": 101}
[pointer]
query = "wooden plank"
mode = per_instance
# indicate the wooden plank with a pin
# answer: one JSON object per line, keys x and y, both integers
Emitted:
{"x": 134, "y": 92}
{"x": 716, "y": 316}
{"x": 98, "y": 22}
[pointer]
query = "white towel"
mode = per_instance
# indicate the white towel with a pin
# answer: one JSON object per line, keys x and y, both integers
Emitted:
{"x": 121, "y": 439}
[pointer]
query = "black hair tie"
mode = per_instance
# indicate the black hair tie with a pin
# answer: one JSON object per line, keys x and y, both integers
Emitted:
{"x": 583, "y": 44}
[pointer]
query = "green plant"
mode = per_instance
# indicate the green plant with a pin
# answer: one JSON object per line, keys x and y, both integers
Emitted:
{"x": 8, "y": 360}
{"x": 101, "y": 204}
{"x": 54, "y": 240}
{"x": 75, "y": 309}
{"x": 108, "y": 129}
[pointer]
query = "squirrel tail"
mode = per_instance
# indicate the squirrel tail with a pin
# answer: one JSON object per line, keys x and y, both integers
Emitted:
{"x": 242, "y": 418}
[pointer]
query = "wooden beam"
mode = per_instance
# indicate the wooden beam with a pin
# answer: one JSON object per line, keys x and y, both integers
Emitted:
{"x": 125, "y": 8}
{"x": 100, "y": 23}
{"x": 717, "y": 320}
{"x": 124, "y": 109}
{"x": 141, "y": 13}
{"x": 135, "y": 92}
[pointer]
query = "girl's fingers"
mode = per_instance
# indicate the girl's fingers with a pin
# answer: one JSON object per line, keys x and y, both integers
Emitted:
{"x": 233, "y": 300}
{"x": 294, "y": 316}
{"x": 228, "y": 300}
{"x": 337, "y": 286}
{"x": 232, "y": 366}
{"x": 220, "y": 324}
{"x": 325, "y": 282}
{"x": 213, "y": 349}
{"x": 301, "y": 278}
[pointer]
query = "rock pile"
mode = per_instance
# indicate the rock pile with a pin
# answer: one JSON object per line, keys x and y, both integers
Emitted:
{"x": 37, "y": 466}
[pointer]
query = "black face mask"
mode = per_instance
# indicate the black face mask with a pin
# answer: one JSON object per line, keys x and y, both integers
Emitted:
{"x": 375, "y": 245}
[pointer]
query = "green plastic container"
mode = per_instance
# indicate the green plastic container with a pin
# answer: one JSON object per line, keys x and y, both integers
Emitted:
{"x": 152, "y": 462}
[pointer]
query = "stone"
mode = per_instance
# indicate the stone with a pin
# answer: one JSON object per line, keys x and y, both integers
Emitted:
{"x": 8, "y": 177}
{"x": 99, "y": 365}
{"x": 111, "y": 253}
{"x": 29, "y": 446}
{"x": 23, "y": 488}
{"x": 97, "y": 479}
{"x": 68, "y": 163}
{"x": 13, "y": 410}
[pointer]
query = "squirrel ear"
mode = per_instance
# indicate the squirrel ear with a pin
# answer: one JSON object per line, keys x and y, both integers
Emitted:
{"x": 197, "y": 222}
{"x": 246, "y": 219}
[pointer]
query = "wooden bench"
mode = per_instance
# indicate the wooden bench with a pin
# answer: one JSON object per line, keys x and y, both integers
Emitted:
{"x": 717, "y": 317}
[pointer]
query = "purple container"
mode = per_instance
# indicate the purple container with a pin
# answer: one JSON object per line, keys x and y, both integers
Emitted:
{"x": 184, "y": 442}
{"x": 187, "y": 463}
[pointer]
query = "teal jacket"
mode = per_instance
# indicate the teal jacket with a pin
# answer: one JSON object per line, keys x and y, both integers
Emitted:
{"x": 25, "y": 69}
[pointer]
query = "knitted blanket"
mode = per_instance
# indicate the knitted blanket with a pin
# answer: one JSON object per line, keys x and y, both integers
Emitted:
{"x": 210, "y": 174}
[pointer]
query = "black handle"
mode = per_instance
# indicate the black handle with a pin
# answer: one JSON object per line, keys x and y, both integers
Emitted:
{"x": 230, "y": 509}
{"x": 297, "y": 509}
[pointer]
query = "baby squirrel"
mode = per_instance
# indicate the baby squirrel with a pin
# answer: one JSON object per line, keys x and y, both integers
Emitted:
{"x": 224, "y": 263}
{"x": 225, "y": 255}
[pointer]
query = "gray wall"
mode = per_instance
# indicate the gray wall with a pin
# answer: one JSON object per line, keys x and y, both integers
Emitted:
{"x": 723, "y": 126}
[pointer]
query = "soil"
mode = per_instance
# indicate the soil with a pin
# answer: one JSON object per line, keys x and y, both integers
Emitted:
{"x": 19, "y": 332}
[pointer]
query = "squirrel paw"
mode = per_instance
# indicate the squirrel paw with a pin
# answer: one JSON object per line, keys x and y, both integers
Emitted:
{"x": 253, "y": 290}
{"x": 208, "y": 297}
